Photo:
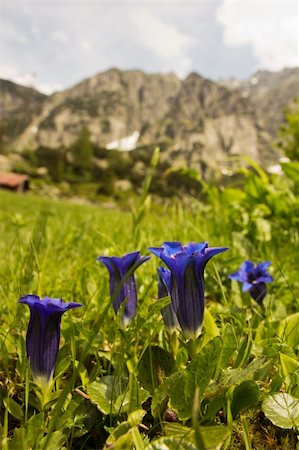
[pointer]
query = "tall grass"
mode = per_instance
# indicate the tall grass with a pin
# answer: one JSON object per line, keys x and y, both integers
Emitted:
{"x": 105, "y": 379}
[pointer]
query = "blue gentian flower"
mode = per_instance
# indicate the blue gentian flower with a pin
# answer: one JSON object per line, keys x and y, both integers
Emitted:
{"x": 186, "y": 264}
{"x": 122, "y": 282}
{"x": 254, "y": 278}
{"x": 43, "y": 334}
{"x": 168, "y": 313}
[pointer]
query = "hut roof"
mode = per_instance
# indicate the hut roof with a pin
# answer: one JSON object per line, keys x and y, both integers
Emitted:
{"x": 12, "y": 180}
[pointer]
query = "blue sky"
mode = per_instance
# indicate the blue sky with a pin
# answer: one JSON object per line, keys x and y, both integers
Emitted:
{"x": 53, "y": 44}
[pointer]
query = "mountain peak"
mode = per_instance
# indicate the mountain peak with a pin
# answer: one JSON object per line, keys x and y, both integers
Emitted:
{"x": 200, "y": 119}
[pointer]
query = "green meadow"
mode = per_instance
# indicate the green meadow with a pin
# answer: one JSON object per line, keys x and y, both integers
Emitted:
{"x": 235, "y": 387}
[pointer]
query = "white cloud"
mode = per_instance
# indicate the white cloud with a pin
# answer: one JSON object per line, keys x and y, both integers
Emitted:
{"x": 8, "y": 33}
{"x": 36, "y": 31}
{"x": 49, "y": 46}
{"x": 86, "y": 45}
{"x": 162, "y": 39}
{"x": 48, "y": 88}
{"x": 60, "y": 37}
{"x": 11, "y": 73}
{"x": 28, "y": 79}
{"x": 269, "y": 27}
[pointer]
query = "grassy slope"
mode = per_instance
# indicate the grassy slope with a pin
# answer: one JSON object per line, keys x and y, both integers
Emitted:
{"x": 50, "y": 248}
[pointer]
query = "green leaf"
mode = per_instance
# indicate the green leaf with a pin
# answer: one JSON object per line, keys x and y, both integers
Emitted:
{"x": 212, "y": 408}
{"x": 156, "y": 364}
{"x": 291, "y": 170}
{"x": 176, "y": 429}
{"x": 230, "y": 344}
{"x": 136, "y": 417}
{"x": 118, "y": 432}
{"x": 170, "y": 443}
{"x": 137, "y": 439}
{"x": 212, "y": 436}
{"x": 122, "y": 435}
{"x": 282, "y": 409}
{"x": 74, "y": 415}
{"x": 210, "y": 325}
{"x": 231, "y": 377}
{"x": 19, "y": 440}
{"x": 263, "y": 229}
{"x": 13, "y": 408}
{"x": 276, "y": 384}
{"x": 173, "y": 388}
{"x": 262, "y": 174}
{"x": 108, "y": 394}
{"x": 231, "y": 195}
{"x": 289, "y": 330}
{"x": 34, "y": 429}
{"x": 136, "y": 394}
{"x": 155, "y": 308}
{"x": 83, "y": 374}
{"x": 288, "y": 364}
{"x": 54, "y": 442}
{"x": 246, "y": 395}
{"x": 124, "y": 442}
{"x": 294, "y": 383}
{"x": 62, "y": 366}
{"x": 243, "y": 351}
{"x": 273, "y": 347}
{"x": 180, "y": 386}
{"x": 211, "y": 329}
{"x": 202, "y": 368}
{"x": 266, "y": 331}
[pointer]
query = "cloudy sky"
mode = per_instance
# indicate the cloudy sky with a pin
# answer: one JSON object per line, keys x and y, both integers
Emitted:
{"x": 53, "y": 44}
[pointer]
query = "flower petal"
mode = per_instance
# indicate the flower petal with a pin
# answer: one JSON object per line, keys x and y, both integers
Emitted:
{"x": 246, "y": 286}
{"x": 236, "y": 276}
{"x": 209, "y": 252}
{"x": 187, "y": 264}
{"x": 258, "y": 292}
{"x": 130, "y": 294}
{"x": 171, "y": 249}
{"x": 122, "y": 281}
{"x": 263, "y": 265}
{"x": 155, "y": 250}
{"x": 43, "y": 334}
{"x": 254, "y": 276}
{"x": 188, "y": 301}
{"x": 265, "y": 279}
{"x": 29, "y": 299}
{"x": 126, "y": 262}
{"x": 247, "y": 266}
{"x": 42, "y": 341}
{"x": 164, "y": 287}
{"x": 192, "y": 248}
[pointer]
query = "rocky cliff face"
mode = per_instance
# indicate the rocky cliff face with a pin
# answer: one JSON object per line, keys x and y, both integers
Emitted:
{"x": 19, "y": 106}
{"x": 201, "y": 121}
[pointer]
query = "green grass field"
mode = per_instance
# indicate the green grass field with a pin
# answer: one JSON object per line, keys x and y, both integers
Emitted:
{"x": 234, "y": 387}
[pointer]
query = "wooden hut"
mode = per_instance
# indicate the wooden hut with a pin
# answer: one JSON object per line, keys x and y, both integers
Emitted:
{"x": 14, "y": 181}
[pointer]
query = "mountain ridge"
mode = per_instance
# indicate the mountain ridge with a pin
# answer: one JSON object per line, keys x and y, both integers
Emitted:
{"x": 200, "y": 120}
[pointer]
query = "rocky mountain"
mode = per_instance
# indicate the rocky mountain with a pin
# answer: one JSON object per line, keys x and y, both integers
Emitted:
{"x": 201, "y": 122}
{"x": 270, "y": 92}
{"x": 19, "y": 105}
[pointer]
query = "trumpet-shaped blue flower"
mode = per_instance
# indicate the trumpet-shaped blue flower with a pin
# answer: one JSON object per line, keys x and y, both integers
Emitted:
{"x": 43, "y": 334}
{"x": 168, "y": 313}
{"x": 122, "y": 282}
{"x": 254, "y": 278}
{"x": 186, "y": 264}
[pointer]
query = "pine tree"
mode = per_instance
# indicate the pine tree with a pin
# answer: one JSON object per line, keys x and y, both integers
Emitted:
{"x": 82, "y": 151}
{"x": 288, "y": 136}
